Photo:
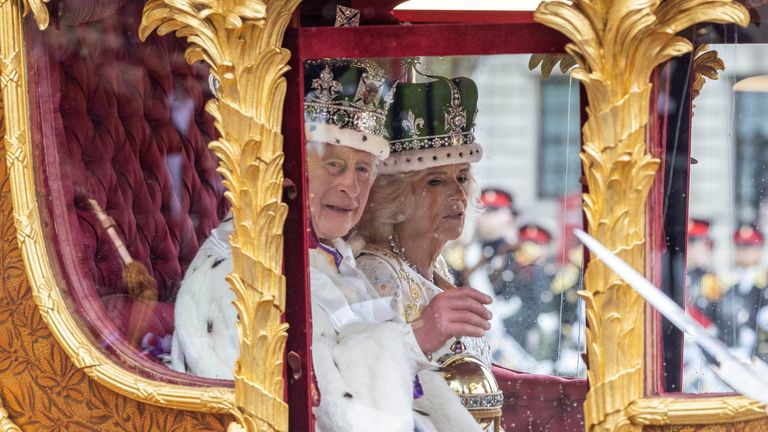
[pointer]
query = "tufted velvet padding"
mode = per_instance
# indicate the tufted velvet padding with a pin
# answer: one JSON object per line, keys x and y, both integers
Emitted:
{"x": 123, "y": 122}
{"x": 123, "y": 149}
{"x": 540, "y": 402}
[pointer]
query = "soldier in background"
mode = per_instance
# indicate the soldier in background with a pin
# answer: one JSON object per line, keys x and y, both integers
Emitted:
{"x": 745, "y": 295}
{"x": 703, "y": 290}
{"x": 525, "y": 279}
{"x": 702, "y": 286}
{"x": 568, "y": 280}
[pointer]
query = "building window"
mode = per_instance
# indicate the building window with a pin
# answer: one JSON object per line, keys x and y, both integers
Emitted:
{"x": 560, "y": 134}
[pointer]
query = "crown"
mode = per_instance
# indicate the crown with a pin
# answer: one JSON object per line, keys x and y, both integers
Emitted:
{"x": 346, "y": 103}
{"x": 432, "y": 124}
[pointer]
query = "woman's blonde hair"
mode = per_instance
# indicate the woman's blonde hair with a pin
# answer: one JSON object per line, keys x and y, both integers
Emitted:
{"x": 392, "y": 200}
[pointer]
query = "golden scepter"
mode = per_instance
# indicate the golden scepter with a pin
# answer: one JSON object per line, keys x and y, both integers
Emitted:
{"x": 139, "y": 283}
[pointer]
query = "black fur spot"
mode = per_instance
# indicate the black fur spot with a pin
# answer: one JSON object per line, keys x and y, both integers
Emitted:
{"x": 348, "y": 395}
{"x": 461, "y": 154}
{"x": 338, "y": 141}
{"x": 448, "y": 155}
{"x": 365, "y": 138}
{"x": 420, "y": 158}
{"x": 217, "y": 262}
{"x": 210, "y": 326}
{"x": 407, "y": 159}
{"x": 434, "y": 157}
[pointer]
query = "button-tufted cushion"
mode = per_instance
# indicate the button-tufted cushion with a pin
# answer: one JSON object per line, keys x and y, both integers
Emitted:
{"x": 540, "y": 402}
{"x": 130, "y": 131}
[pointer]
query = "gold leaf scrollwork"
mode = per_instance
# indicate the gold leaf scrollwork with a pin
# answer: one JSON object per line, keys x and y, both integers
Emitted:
{"x": 6, "y": 425}
{"x": 691, "y": 411}
{"x": 706, "y": 64}
{"x": 549, "y": 61}
{"x": 616, "y": 45}
{"x": 45, "y": 290}
{"x": 39, "y": 10}
{"x": 241, "y": 41}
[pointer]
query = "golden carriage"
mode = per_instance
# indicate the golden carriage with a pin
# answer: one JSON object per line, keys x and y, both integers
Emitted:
{"x": 55, "y": 370}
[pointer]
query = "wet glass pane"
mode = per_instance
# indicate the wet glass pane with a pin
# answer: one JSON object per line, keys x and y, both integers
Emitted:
{"x": 128, "y": 186}
{"x": 471, "y": 211}
{"x": 727, "y": 270}
{"x": 514, "y": 242}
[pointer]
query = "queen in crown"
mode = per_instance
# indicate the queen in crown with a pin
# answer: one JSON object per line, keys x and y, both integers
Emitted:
{"x": 418, "y": 204}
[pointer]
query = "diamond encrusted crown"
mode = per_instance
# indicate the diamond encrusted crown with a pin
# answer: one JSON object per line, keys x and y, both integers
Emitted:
{"x": 349, "y": 93}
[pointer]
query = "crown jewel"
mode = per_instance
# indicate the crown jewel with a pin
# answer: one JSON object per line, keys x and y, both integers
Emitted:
{"x": 348, "y": 93}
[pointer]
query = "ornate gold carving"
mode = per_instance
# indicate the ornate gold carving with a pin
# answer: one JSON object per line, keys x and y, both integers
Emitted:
{"x": 241, "y": 42}
{"x": 689, "y": 411}
{"x": 617, "y": 44}
{"x": 741, "y": 426}
{"x": 707, "y": 64}
{"x": 6, "y": 425}
{"x": 549, "y": 61}
{"x": 29, "y": 232}
{"x": 39, "y": 11}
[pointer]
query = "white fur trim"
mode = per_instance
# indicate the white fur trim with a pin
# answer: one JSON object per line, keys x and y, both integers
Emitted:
{"x": 206, "y": 342}
{"x": 365, "y": 377}
{"x": 332, "y": 134}
{"x": 415, "y": 160}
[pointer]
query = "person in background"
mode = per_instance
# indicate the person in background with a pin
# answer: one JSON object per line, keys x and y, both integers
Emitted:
{"x": 526, "y": 281}
{"x": 745, "y": 295}
{"x": 703, "y": 290}
{"x": 702, "y": 286}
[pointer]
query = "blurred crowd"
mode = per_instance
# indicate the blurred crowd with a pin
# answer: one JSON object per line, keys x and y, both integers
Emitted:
{"x": 538, "y": 322}
{"x": 731, "y": 304}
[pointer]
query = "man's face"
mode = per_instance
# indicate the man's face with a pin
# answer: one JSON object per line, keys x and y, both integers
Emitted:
{"x": 497, "y": 223}
{"x": 699, "y": 253}
{"x": 340, "y": 179}
{"x": 748, "y": 255}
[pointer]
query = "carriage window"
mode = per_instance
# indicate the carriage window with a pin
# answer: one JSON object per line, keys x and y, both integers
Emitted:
{"x": 512, "y": 238}
{"x": 727, "y": 264}
{"x": 132, "y": 193}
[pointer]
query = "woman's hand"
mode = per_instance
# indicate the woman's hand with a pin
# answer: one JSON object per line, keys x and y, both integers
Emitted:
{"x": 452, "y": 313}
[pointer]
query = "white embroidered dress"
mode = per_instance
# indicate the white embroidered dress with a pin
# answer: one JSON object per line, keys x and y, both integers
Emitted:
{"x": 411, "y": 293}
{"x": 365, "y": 361}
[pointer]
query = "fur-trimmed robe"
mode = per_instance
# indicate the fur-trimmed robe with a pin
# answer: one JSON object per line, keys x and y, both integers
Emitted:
{"x": 364, "y": 371}
{"x": 205, "y": 342}
{"x": 365, "y": 363}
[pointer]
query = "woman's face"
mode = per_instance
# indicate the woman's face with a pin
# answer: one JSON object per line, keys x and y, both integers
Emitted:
{"x": 440, "y": 204}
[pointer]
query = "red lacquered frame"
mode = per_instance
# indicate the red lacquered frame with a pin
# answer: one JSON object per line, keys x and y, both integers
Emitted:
{"x": 519, "y": 35}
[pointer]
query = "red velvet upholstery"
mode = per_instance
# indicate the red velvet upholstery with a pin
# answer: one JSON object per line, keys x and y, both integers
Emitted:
{"x": 123, "y": 122}
{"x": 123, "y": 149}
{"x": 540, "y": 402}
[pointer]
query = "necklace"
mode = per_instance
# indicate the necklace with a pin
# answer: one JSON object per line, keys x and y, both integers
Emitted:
{"x": 400, "y": 252}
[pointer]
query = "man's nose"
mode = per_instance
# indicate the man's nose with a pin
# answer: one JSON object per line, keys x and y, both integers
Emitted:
{"x": 348, "y": 183}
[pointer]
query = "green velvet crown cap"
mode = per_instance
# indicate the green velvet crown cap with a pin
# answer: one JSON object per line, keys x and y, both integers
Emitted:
{"x": 346, "y": 103}
{"x": 432, "y": 124}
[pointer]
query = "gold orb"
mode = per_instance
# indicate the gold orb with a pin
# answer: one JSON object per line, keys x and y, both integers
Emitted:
{"x": 476, "y": 386}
